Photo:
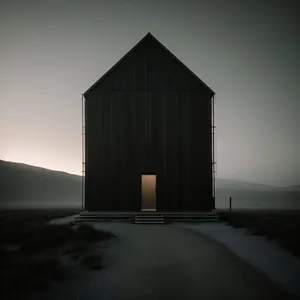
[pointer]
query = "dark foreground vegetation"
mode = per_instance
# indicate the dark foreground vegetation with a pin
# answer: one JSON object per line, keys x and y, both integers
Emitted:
{"x": 282, "y": 226}
{"x": 34, "y": 253}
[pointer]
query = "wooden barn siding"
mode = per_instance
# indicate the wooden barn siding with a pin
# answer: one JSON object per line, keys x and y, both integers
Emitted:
{"x": 153, "y": 69}
{"x": 146, "y": 118}
{"x": 122, "y": 150}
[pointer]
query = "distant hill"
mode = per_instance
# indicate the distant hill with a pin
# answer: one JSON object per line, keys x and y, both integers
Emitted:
{"x": 25, "y": 186}
{"x": 296, "y": 186}
{"x": 248, "y": 195}
{"x": 222, "y": 183}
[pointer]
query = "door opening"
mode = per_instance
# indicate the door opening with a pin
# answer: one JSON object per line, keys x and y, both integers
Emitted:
{"x": 148, "y": 192}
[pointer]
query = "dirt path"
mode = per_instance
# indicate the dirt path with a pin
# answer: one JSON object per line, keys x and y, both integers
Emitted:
{"x": 165, "y": 262}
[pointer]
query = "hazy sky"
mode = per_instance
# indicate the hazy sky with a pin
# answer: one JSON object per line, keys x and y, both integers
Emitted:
{"x": 246, "y": 51}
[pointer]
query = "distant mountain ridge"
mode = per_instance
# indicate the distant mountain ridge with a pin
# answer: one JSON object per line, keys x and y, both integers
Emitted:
{"x": 26, "y": 185}
{"x": 23, "y": 165}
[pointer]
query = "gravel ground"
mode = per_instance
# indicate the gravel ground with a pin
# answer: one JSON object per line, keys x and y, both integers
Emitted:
{"x": 178, "y": 261}
{"x": 265, "y": 255}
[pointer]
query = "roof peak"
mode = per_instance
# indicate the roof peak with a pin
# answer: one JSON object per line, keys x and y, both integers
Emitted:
{"x": 149, "y": 36}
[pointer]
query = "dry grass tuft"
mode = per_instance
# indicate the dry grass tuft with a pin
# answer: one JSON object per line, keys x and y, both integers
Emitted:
{"x": 281, "y": 226}
{"x": 92, "y": 261}
{"x": 37, "y": 262}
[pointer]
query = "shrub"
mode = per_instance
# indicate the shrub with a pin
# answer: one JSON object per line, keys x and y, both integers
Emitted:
{"x": 289, "y": 236}
{"x": 88, "y": 233}
{"x": 37, "y": 271}
{"x": 75, "y": 256}
{"x": 77, "y": 249}
{"x": 274, "y": 226}
{"x": 236, "y": 221}
{"x": 48, "y": 237}
{"x": 259, "y": 227}
{"x": 13, "y": 234}
{"x": 92, "y": 261}
{"x": 6, "y": 260}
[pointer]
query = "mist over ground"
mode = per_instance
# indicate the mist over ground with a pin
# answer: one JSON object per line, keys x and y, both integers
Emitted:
{"x": 25, "y": 186}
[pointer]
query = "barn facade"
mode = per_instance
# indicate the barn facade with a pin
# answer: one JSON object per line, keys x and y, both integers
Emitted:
{"x": 149, "y": 115}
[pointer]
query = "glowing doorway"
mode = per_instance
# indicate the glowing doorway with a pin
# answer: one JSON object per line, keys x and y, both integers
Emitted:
{"x": 148, "y": 192}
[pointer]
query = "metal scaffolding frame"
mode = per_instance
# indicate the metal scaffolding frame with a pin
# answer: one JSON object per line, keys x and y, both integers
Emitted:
{"x": 213, "y": 150}
{"x": 83, "y": 154}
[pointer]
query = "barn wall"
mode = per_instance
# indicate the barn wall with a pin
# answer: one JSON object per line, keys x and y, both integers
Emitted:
{"x": 149, "y": 115}
{"x": 136, "y": 132}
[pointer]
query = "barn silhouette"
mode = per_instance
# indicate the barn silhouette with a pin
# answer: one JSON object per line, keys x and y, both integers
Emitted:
{"x": 149, "y": 115}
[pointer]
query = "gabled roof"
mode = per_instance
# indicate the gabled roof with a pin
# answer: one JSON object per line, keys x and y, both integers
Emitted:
{"x": 145, "y": 38}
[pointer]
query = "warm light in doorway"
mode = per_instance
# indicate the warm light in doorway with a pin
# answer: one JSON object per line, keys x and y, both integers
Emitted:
{"x": 148, "y": 192}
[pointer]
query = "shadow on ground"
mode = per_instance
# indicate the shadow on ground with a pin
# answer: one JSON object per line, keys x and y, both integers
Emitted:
{"x": 35, "y": 253}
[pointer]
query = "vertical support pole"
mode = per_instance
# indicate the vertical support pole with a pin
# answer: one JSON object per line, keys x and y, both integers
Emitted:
{"x": 145, "y": 114}
{"x": 213, "y": 152}
{"x": 230, "y": 203}
{"x": 83, "y": 154}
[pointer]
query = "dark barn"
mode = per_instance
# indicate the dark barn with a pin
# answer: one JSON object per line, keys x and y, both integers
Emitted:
{"x": 149, "y": 143}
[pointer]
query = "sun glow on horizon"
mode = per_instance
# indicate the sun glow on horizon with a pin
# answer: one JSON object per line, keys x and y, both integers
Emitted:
{"x": 36, "y": 160}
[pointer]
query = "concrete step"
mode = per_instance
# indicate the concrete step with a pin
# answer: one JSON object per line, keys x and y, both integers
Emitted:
{"x": 106, "y": 218}
{"x": 104, "y": 214}
{"x": 147, "y": 213}
{"x": 193, "y": 220}
{"x": 149, "y": 218}
{"x": 79, "y": 220}
{"x": 149, "y": 222}
{"x": 189, "y": 218}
